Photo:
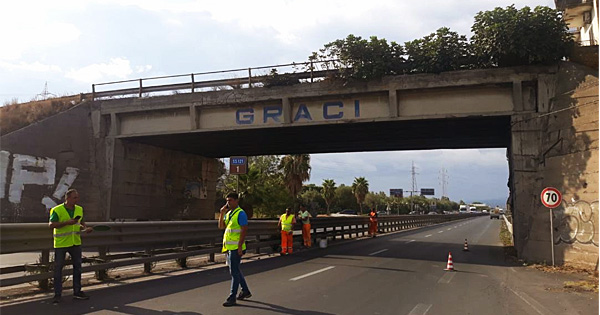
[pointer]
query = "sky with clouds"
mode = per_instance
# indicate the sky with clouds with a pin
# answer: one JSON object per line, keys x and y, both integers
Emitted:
{"x": 72, "y": 44}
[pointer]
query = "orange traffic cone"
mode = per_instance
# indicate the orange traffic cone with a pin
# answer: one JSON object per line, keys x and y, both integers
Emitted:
{"x": 466, "y": 248}
{"x": 450, "y": 265}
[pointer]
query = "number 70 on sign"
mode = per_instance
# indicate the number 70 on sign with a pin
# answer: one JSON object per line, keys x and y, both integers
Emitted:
{"x": 551, "y": 197}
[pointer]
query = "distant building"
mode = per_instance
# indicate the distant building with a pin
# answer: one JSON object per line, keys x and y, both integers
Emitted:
{"x": 582, "y": 18}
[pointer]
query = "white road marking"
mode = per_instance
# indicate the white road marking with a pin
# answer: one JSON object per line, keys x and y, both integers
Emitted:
{"x": 428, "y": 235}
{"x": 420, "y": 309}
{"x": 377, "y": 252}
{"x": 440, "y": 232}
{"x": 527, "y": 299}
{"x": 410, "y": 241}
{"x": 455, "y": 226}
{"x": 312, "y": 273}
{"x": 447, "y": 277}
{"x": 512, "y": 269}
{"x": 448, "y": 229}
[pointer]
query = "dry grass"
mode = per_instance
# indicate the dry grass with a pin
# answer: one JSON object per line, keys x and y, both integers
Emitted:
{"x": 17, "y": 116}
{"x": 589, "y": 284}
{"x": 582, "y": 286}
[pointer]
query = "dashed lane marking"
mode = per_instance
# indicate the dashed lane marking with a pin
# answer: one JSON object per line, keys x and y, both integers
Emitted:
{"x": 447, "y": 277}
{"x": 440, "y": 232}
{"x": 377, "y": 252}
{"x": 312, "y": 273}
{"x": 410, "y": 241}
{"x": 420, "y": 309}
{"x": 428, "y": 235}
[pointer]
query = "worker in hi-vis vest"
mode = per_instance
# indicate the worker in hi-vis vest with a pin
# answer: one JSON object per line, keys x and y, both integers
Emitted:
{"x": 286, "y": 224}
{"x": 234, "y": 221}
{"x": 67, "y": 223}
{"x": 305, "y": 217}
{"x": 372, "y": 223}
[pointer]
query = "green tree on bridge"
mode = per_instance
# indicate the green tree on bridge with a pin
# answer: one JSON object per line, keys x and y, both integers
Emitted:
{"x": 511, "y": 37}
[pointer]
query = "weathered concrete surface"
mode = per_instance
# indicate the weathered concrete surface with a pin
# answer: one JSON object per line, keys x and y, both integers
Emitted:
{"x": 65, "y": 139}
{"x": 559, "y": 148}
{"x": 151, "y": 182}
{"x": 72, "y": 150}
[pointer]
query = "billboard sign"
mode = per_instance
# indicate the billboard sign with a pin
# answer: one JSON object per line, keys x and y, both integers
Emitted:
{"x": 427, "y": 191}
{"x": 397, "y": 193}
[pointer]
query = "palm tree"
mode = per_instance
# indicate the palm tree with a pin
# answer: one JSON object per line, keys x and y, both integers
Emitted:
{"x": 328, "y": 192}
{"x": 296, "y": 170}
{"x": 360, "y": 188}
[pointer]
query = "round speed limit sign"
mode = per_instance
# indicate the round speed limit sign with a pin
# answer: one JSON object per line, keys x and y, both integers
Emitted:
{"x": 551, "y": 197}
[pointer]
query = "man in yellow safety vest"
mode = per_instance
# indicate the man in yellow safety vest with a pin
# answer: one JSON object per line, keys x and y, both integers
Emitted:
{"x": 234, "y": 221}
{"x": 286, "y": 224}
{"x": 67, "y": 221}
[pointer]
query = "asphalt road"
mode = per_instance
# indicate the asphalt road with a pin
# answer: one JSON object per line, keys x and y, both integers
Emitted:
{"x": 396, "y": 273}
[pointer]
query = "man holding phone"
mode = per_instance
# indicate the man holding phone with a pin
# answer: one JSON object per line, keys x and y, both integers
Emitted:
{"x": 234, "y": 221}
{"x": 67, "y": 221}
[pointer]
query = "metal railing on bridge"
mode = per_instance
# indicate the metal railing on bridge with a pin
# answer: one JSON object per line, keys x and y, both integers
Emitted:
{"x": 173, "y": 240}
{"x": 311, "y": 71}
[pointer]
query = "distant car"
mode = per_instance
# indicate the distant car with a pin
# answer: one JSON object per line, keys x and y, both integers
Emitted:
{"x": 484, "y": 211}
{"x": 495, "y": 214}
{"x": 379, "y": 213}
{"x": 432, "y": 213}
{"x": 413, "y": 212}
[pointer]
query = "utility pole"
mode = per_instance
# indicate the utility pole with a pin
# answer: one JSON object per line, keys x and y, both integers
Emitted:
{"x": 444, "y": 182}
{"x": 414, "y": 173}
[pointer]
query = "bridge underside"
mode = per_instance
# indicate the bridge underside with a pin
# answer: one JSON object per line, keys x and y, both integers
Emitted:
{"x": 448, "y": 133}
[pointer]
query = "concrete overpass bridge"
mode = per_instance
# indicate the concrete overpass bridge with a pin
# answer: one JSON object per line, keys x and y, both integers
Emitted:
{"x": 153, "y": 157}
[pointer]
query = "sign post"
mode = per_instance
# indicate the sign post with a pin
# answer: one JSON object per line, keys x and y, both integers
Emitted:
{"x": 551, "y": 198}
{"x": 238, "y": 165}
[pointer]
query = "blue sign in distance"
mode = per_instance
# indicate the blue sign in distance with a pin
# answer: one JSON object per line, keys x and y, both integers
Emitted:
{"x": 238, "y": 160}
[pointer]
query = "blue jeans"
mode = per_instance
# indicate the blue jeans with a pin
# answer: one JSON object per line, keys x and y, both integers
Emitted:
{"x": 59, "y": 262}
{"x": 237, "y": 278}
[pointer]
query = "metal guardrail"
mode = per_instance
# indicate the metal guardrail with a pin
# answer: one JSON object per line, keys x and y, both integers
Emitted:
{"x": 192, "y": 85}
{"x": 174, "y": 240}
{"x": 508, "y": 224}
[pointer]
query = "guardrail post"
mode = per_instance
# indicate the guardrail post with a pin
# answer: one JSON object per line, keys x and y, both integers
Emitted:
{"x": 311, "y": 71}
{"x": 141, "y": 88}
{"x": 45, "y": 261}
{"x": 148, "y": 265}
{"x": 211, "y": 256}
{"x": 257, "y": 251}
{"x": 182, "y": 262}
{"x": 93, "y": 92}
{"x": 192, "y": 82}
{"x": 249, "y": 77}
{"x": 102, "y": 274}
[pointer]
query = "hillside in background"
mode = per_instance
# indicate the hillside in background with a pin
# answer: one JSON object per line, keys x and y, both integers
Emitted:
{"x": 17, "y": 116}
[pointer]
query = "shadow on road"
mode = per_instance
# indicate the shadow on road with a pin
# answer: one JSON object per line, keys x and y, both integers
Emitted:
{"x": 279, "y": 309}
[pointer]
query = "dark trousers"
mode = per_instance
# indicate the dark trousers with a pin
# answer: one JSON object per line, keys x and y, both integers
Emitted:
{"x": 237, "y": 278}
{"x": 59, "y": 262}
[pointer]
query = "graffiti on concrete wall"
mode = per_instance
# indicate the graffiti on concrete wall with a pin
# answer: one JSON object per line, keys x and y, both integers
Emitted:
{"x": 32, "y": 170}
{"x": 196, "y": 189}
{"x": 576, "y": 222}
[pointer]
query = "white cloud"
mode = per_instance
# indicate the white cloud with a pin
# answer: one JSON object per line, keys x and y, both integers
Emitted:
{"x": 27, "y": 27}
{"x": 141, "y": 69}
{"x": 116, "y": 68}
{"x": 33, "y": 67}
